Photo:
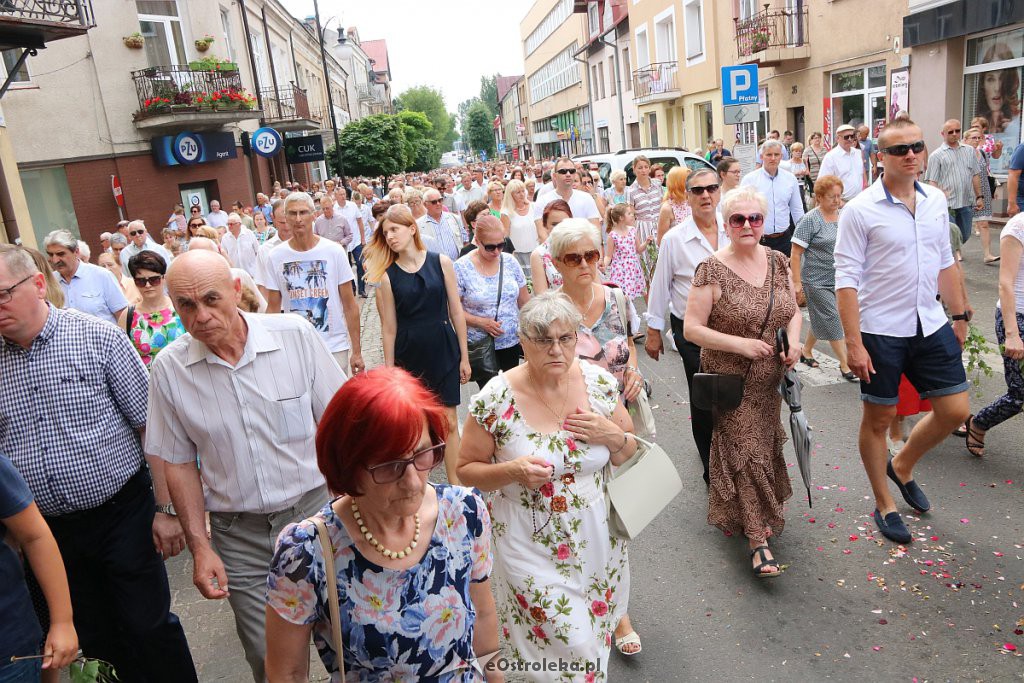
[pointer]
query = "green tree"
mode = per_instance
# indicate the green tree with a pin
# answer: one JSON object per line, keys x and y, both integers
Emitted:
{"x": 420, "y": 148}
{"x": 478, "y": 129}
{"x": 431, "y": 103}
{"x": 489, "y": 94}
{"x": 371, "y": 146}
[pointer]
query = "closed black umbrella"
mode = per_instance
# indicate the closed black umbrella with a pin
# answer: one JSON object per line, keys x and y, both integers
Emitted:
{"x": 789, "y": 387}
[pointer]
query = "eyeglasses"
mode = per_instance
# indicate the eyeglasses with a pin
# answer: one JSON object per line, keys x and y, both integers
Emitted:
{"x": 850, "y": 136}
{"x": 565, "y": 171}
{"x": 492, "y": 247}
{"x": 951, "y": 131}
{"x": 392, "y": 471}
{"x": 133, "y": 233}
{"x": 547, "y": 343}
{"x": 8, "y": 294}
{"x": 903, "y": 150}
{"x": 738, "y": 220}
{"x": 152, "y": 281}
{"x": 196, "y": 225}
{"x": 576, "y": 259}
{"x": 701, "y": 189}
{"x": 433, "y": 201}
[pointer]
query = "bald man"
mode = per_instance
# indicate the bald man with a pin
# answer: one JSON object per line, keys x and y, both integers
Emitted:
{"x": 243, "y": 393}
{"x": 954, "y": 169}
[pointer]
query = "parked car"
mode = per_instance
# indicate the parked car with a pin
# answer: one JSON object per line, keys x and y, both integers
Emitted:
{"x": 623, "y": 160}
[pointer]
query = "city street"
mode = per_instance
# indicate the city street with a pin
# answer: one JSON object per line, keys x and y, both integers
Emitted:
{"x": 851, "y": 605}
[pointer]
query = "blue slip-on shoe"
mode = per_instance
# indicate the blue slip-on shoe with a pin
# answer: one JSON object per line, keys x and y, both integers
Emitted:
{"x": 892, "y": 527}
{"x": 912, "y": 493}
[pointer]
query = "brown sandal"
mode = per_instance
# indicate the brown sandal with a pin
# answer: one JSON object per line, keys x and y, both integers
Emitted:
{"x": 975, "y": 445}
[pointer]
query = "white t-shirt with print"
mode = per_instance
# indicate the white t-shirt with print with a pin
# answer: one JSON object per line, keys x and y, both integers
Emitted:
{"x": 308, "y": 282}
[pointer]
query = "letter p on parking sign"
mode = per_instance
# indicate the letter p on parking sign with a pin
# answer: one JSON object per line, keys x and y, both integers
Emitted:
{"x": 739, "y": 84}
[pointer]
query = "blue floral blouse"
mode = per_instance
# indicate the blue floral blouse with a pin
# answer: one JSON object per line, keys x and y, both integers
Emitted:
{"x": 479, "y": 293}
{"x": 414, "y": 624}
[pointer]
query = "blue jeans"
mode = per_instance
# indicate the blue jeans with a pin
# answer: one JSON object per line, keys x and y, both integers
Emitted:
{"x": 22, "y": 671}
{"x": 963, "y": 218}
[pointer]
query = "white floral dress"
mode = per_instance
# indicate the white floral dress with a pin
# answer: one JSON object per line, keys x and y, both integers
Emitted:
{"x": 561, "y": 590}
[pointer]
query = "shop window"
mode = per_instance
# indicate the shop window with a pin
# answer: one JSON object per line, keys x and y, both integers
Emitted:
{"x": 992, "y": 90}
{"x": 49, "y": 201}
{"x": 858, "y": 97}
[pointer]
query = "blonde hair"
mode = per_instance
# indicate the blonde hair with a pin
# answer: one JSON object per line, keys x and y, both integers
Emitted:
{"x": 207, "y": 232}
{"x": 491, "y": 187}
{"x": 378, "y": 255}
{"x": 412, "y": 193}
{"x": 508, "y": 205}
{"x": 675, "y": 182}
{"x": 614, "y": 215}
{"x": 742, "y": 195}
{"x": 796, "y": 147}
{"x": 54, "y": 292}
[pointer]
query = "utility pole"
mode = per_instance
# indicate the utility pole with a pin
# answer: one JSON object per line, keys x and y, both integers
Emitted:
{"x": 330, "y": 96}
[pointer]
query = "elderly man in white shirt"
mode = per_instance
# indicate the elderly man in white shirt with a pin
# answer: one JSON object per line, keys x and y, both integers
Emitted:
{"x": 269, "y": 378}
{"x": 682, "y": 248}
{"x": 892, "y": 254}
{"x": 846, "y": 162}
{"x": 240, "y": 245}
{"x": 447, "y": 234}
{"x": 782, "y": 189}
{"x": 139, "y": 240}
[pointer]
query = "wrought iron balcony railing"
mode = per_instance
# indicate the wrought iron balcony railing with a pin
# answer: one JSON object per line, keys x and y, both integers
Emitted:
{"x": 285, "y": 104}
{"x": 32, "y": 23}
{"x": 771, "y": 28}
{"x": 179, "y": 89}
{"x": 655, "y": 81}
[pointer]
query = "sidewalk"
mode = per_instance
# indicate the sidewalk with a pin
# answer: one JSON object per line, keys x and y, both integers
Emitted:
{"x": 369, "y": 326}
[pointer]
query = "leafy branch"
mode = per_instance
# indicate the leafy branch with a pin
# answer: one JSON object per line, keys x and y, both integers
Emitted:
{"x": 976, "y": 346}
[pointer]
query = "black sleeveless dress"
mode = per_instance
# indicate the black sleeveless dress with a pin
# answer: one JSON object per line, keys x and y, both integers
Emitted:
{"x": 425, "y": 342}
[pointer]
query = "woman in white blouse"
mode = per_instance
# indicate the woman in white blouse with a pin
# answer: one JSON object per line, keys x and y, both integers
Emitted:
{"x": 517, "y": 220}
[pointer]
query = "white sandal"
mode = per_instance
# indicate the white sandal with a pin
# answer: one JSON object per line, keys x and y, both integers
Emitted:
{"x": 630, "y": 638}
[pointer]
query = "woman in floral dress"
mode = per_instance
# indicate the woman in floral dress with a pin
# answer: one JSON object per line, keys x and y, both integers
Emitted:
{"x": 540, "y": 436}
{"x": 153, "y": 324}
{"x": 621, "y": 259}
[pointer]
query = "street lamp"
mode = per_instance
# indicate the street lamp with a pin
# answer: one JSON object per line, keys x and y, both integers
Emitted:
{"x": 344, "y": 51}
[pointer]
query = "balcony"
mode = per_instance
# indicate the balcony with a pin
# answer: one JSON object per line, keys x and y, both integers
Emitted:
{"x": 287, "y": 109}
{"x": 177, "y": 98}
{"x": 773, "y": 36}
{"x": 656, "y": 82}
{"x": 32, "y": 23}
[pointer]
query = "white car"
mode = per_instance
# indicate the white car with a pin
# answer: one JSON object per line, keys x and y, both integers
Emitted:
{"x": 623, "y": 160}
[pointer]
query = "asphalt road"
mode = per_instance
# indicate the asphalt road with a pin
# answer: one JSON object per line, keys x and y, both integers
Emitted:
{"x": 851, "y": 606}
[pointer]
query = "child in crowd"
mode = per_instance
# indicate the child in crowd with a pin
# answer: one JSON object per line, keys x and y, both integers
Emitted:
{"x": 622, "y": 261}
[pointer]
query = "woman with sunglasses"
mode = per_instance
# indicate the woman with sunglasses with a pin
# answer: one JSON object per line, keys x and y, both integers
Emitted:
{"x": 412, "y": 559}
{"x": 540, "y": 436}
{"x": 478, "y": 274}
{"x": 733, "y": 312}
{"x": 151, "y": 324}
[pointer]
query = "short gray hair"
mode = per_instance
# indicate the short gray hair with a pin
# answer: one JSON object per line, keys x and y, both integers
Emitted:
{"x": 617, "y": 174}
{"x": 18, "y": 261}
{"x": 84, "y": 250}
{"x": 744, "y": 194}
{"x": 136, "y": 224}
{"x": 62, "y": 238}
{"x": 569, "y": 232}
{"x": 698, "y": 173}
{"x": 118, "y": 238}
{"x": 769, "y": 143}
{"x": 299, "y": 197}
{"x": 278, "y": 203}
{"x": 234, "y": 217}
{"x": 544, "y": 310}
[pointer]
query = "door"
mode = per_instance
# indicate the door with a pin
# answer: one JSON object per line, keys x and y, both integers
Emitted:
{"x": 194, "y": 195}
{"x": 878, "y": 114}
{"x": 797, "y": 123}
{"x": 164, "y": 45}
{"x": 652, "y": 126}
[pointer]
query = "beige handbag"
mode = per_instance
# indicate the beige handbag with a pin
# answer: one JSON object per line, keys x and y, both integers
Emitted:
{"x": 333, "y": 599}
{"x": 640, "y": 489}
{"x": 640, "y": 407}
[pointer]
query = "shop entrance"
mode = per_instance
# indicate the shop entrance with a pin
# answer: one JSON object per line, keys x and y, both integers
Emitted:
{"x": 195, "y": 195}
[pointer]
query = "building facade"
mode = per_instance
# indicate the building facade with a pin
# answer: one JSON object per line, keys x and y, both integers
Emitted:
{"x": 560, "y": 117}
{"x": 515, "y": 121}
{"x": 380, "y": 97}
{"x": 616, "y": 120}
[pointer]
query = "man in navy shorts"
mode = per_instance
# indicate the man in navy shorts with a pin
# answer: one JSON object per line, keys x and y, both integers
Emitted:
{"x": 892, "y": 255}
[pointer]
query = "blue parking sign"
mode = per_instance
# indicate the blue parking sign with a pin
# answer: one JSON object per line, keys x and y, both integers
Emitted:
{"x": 739, "y": 84}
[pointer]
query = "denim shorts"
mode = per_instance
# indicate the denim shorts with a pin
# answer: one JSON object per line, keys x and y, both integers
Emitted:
{"x": 933, "y": 365}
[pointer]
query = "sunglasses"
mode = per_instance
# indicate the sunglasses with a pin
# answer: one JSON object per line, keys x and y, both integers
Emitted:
{"x": 489, "y": 248}
{"x": 951, "y": 131}
{"x": 133, "y": 233}
{"x": 152, "y": 281}
{"x": 424, "y": 461}
{"x": 565, "y": 171}
{"x": 574, "y": 260}
{"x": 433, "y": 201}
{"x": 701, "y": 189}
{"x": 196, "y": 225}
{"x": 903, "y": 150}
{"x": 738, "y": 220}
{"x": 851, "y": 136}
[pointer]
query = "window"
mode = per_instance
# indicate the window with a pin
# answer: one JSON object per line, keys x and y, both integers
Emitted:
{"x": 593, "y": 19}
{"x": 10, "y": 59}
{"x": 225, "y": 26}
{"x": 593, "y": 82}
{"x": 558, "y": 74}
{"x": 643, "y": 52}
{"x": 558, "y": 14}
{"x": 602, "y": 140}
{"x": 665, "y": 37}
{"x": 626, "y": 71}
{"x": 612, "y": 86}
{"x": 748, "y": 8}
{"x": 259, "y": 55}
{"x": 600, "y": 79}
{"x": 693, "y": 18}
{"x": 858, "y": 97}
{"x": 993, "y": 73}
{"x": 705, "y": 124}
{"x": 49, "y": 201}
{"x": 160, "y": 25}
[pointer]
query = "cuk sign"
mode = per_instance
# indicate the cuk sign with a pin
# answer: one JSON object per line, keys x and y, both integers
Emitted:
{"x": 301, "y": 150}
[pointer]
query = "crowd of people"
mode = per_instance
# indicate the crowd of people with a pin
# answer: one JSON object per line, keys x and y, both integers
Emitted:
{"x": 194, "y": 417}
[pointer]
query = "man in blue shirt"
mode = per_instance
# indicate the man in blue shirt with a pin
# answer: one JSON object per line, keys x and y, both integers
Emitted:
{"x": 87, "y": 288}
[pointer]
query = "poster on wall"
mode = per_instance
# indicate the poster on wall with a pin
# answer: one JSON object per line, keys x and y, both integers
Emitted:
{"x": 899, "y": 91}
{"x": 995, "y": 96}
{"x": 826, "y": 133}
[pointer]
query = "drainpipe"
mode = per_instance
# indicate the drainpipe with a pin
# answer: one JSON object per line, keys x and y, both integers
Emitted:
{"x": 253, "y": 162}
{"x": 7, "y": 211}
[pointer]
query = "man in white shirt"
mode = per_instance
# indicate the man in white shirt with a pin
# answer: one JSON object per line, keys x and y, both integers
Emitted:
{"x": 139, "y": 240}
{"x": 892, "y": 254}
{"x": 331, "y": 224}
{"x": 846, "y": 162}
{"x": 467, "y": 192}
{"x": 682, "y": 248}
{"x": 350, "y": 211}
{"x": 581, "y": 203}
{"x": 240, "y": 245}
{"x": 216, "y": 218}
{"x": 265, "y": 381}
{"x": 782, "y": 189}
{"x": 311, "y": 277}
{"x": 449, "y": 237}
{"x": 87, "y": 288}
{"x": 361, "y": 235}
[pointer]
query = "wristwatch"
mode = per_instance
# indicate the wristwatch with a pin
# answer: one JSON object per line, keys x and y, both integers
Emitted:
{"x": 167, "y": 509}
{"x": 965, "y": 316}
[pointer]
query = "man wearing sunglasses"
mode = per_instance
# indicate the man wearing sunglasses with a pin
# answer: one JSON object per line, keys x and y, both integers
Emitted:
{"x": 87, "y": 288}
{"x": 846, "y": 162}
{"x": 954, "y": 169}
{"x": 582, "y": 203}
{"x": 139, "y": 240}
{"x": 782, "y": 189}
{"x": 892, "y": 254}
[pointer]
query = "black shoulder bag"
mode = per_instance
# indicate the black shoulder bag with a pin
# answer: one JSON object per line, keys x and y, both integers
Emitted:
{"x": 483, "y": 361}
{"x": 719, "y": 392}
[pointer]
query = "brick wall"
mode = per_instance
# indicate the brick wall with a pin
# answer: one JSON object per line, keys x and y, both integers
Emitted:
{"x": 151, "y": 191}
